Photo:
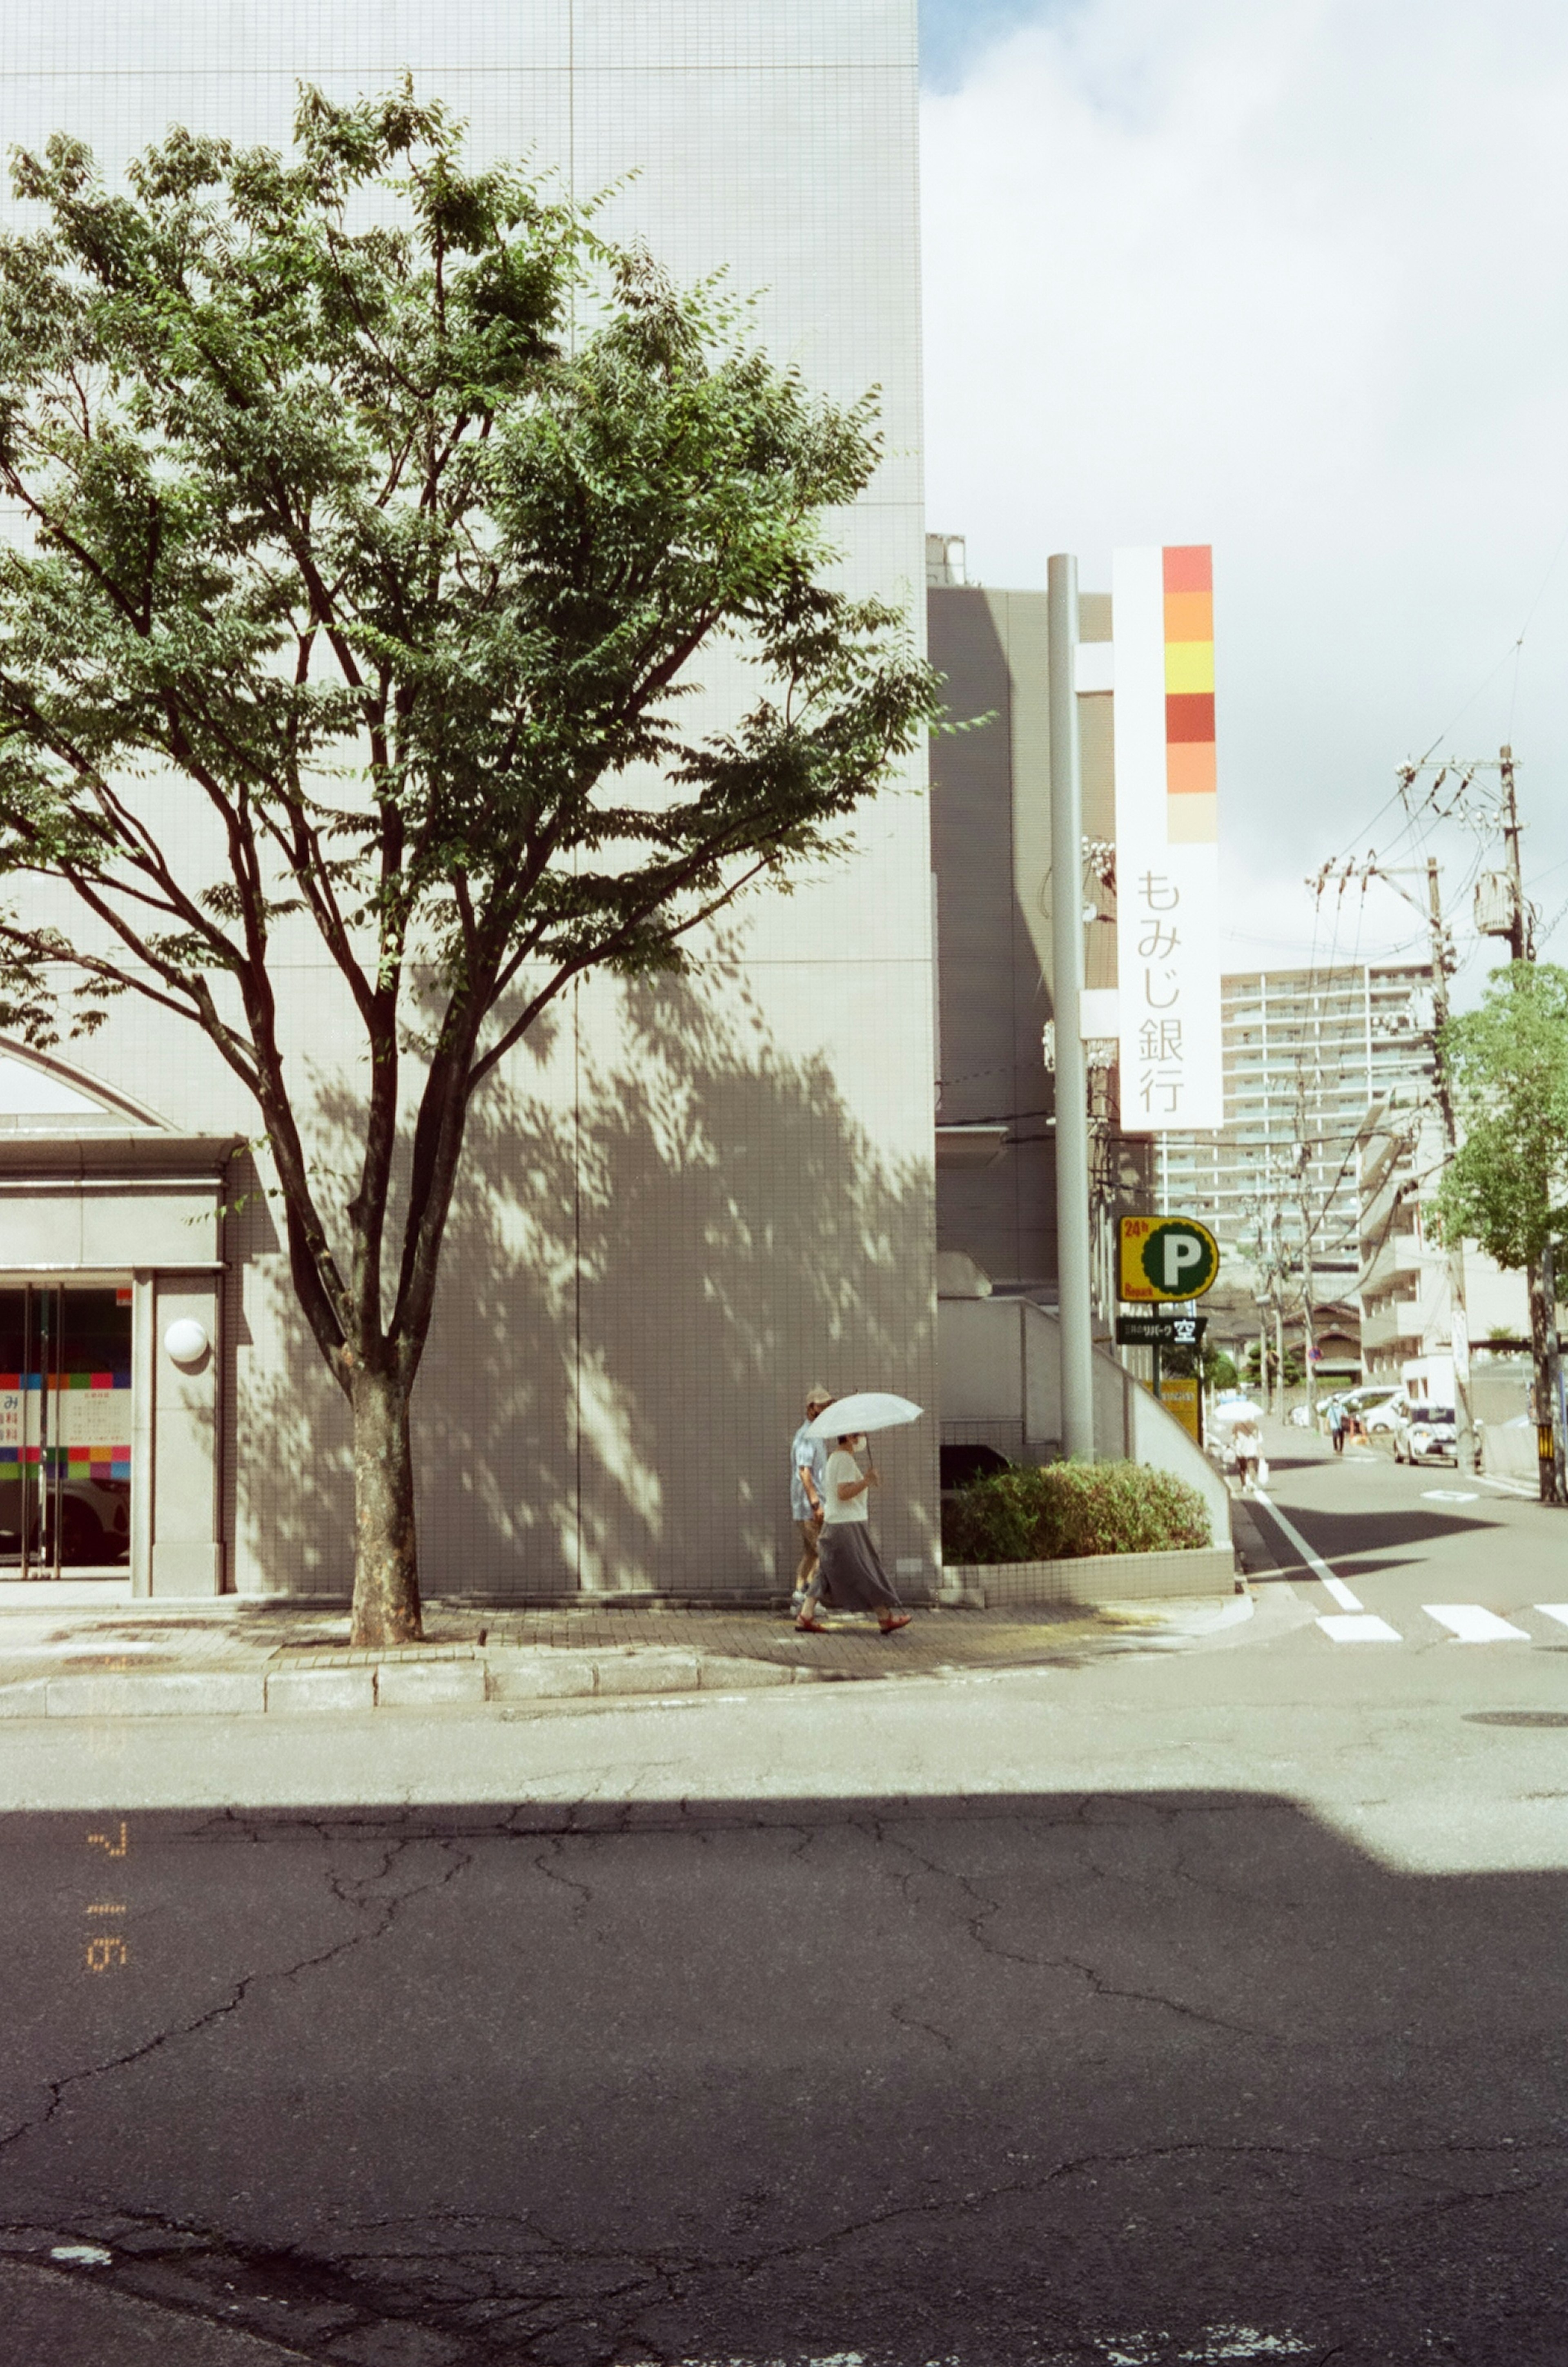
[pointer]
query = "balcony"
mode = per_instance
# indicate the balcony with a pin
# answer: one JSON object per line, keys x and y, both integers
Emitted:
{"x": 1398, "y": 1327}
{"x": 1398, "y": 1258}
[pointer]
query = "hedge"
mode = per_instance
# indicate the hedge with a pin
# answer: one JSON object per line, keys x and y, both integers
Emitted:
{"x": 1062, "y": 1511}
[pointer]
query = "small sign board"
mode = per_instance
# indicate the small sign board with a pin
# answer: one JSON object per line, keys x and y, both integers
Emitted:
{"x": 1179, "y": 1395}
{"x": 1160, "y": 1330}
{"x": 1166, "y": 1257}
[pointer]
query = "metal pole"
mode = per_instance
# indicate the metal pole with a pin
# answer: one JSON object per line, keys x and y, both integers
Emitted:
{"x": 1519, "y": 943}
{"x": 1465, "y": 1459}
{"x": 1073, "y": 1304}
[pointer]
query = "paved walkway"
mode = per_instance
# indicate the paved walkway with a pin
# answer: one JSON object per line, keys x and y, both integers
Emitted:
{"x": 298, "y": 1656}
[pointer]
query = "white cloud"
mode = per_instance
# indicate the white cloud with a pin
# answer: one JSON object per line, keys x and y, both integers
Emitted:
{"x": 1291, "y": 279}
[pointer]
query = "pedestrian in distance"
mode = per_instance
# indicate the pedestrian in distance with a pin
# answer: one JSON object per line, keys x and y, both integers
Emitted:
{"x": 808, "y": 1480}
{"x": 850, "y": 1576}
{"x": 1337, "y": 1426}
{"x": 1249, "y": 1448}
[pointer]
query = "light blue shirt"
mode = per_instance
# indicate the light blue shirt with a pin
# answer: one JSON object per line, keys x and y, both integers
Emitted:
{"x": 812, "y": 1451}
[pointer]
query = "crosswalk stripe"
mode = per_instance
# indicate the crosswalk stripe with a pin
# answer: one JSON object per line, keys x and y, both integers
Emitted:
{"x": 1558, "y": 1611}
{"x": 1364, "y": 1627}
{"x": 1469, "y": 1624}
{"x": 1342, "y": 1594}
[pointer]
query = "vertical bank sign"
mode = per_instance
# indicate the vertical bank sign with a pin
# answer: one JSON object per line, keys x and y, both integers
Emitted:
{"x": 1168, "y": 950}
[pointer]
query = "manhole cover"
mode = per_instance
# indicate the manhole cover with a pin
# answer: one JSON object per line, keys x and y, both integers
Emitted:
{"x": 1516, "y": 1717}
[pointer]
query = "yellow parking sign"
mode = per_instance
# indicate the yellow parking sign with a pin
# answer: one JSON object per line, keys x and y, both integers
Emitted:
{"x": 1166, "y": 1257}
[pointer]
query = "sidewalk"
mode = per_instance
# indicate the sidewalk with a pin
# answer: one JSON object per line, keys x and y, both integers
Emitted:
{"x": 249, "y": 1658}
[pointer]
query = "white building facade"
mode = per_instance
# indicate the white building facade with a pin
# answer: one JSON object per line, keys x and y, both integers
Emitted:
{"x": 684, "y": 1204}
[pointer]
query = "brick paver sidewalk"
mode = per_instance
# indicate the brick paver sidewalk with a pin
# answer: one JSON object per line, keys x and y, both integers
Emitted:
{"x": 126, "y": 1638}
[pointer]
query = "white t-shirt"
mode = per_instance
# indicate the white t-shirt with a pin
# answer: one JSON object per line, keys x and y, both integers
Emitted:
{"x": 844, "y": 1470}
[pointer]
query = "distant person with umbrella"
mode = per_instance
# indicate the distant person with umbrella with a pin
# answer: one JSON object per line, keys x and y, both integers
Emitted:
{"x": 850, "y": 1576}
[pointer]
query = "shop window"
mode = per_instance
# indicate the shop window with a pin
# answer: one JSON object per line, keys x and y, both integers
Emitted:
{"x": 65, "y": 1428}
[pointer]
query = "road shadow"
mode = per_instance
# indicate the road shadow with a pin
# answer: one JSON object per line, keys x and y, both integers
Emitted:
{"x": 1362, "y": 1540}
{"x": 1045, "y": 2079}
{"x": 667, "y": 1228}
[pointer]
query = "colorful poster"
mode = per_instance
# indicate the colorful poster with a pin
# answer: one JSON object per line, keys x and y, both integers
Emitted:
{"x": 1168, "y": 950}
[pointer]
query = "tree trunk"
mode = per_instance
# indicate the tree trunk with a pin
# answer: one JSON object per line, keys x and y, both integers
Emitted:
{"x": 386, "y": 1559}
{"x": 1542, "y": 1316}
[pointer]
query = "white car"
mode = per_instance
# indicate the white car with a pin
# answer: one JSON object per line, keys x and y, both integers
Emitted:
{"x": 1426, "y": 1434}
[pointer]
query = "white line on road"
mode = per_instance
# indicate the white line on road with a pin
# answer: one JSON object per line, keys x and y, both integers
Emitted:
{"x": 1366, "y": 1629}
{"x": 1341, "y": 1593}
{"x": 1471, "y": 1625}
{"x": 1558, "y": 1611}
{"x": 1314, "y": 1562}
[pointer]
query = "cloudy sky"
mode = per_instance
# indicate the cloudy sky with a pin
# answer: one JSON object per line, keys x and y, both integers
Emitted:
{"x": 1290, "y": 277}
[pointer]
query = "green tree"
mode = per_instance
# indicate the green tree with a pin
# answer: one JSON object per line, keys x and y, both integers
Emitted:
{"x": 1506, "y": 1187}
{"x": 375, "y": 513}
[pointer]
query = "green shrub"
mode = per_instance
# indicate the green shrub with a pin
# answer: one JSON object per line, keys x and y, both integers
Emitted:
{"x": 1060, "y": 1511}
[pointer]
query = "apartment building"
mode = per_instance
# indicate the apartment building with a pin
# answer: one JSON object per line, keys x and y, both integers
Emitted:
{"x": 1306, "y": 1051}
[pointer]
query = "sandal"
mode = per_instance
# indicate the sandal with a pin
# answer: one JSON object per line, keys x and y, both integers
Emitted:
{"x": 887, "y": 1625}
{"x": 809, "y": 1627}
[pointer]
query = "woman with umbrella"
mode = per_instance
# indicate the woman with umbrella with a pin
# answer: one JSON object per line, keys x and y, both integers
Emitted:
{"x": 848, "y": 1575}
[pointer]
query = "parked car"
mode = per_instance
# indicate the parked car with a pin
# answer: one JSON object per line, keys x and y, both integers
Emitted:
{"x": 1426, "y": 1434}
{"x": 95, "y": 1522}
{"x": 1385, "y": 1418}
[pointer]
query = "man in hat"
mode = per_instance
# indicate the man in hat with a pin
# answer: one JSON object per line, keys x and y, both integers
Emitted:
{"x": 807, "y": 1478}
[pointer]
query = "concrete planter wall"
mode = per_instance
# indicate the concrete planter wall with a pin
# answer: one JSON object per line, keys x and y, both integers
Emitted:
{"x": 1092, "y": 1578}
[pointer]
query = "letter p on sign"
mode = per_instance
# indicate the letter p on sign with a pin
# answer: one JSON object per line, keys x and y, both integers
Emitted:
{"x": 1183, "y": 1254}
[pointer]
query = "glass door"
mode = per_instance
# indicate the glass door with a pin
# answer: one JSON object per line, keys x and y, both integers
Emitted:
{"x": 65, "y": 1428}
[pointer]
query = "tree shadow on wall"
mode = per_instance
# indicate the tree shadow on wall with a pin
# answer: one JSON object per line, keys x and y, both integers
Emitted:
{"x": 667, "y": 1229}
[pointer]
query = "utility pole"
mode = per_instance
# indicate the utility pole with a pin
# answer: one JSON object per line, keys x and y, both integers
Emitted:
{"x": 1392, "y": 876}
{"x": 1075, "y": 1322}
{"x": 1459, "y": 1317}
{"x": 1519, "y": 932}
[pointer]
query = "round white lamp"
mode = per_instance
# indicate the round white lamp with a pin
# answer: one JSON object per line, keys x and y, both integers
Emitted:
{"x": 187, "y": 1340}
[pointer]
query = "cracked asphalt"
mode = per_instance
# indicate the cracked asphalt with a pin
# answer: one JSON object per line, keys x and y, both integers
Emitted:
{"x": 1162, "y": 2009}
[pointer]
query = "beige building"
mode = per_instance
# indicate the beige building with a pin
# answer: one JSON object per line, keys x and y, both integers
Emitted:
{"x": 1404, "y": 1284}
{"x": 682, "y": 1205}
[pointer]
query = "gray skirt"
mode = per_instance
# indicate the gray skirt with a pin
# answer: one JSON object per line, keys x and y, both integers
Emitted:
{"x": 853, "y": 1575}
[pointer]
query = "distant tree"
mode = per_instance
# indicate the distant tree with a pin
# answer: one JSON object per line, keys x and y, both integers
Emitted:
{"x": 373, "y": 514}
{"x": 1507, "y": 1186}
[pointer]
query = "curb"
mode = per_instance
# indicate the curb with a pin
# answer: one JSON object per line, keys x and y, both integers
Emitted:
{"x": 545, "y": 1675}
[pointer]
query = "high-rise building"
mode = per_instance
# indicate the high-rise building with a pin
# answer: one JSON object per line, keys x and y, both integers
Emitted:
{"x": 683, "y": 1201}
{"x": 1305, "y": 1052}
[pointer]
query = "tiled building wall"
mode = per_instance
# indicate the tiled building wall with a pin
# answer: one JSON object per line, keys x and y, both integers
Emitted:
{"x": 682, "y": 1205}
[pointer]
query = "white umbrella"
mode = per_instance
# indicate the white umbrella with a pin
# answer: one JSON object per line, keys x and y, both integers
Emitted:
{"x": 865, "y": 1410}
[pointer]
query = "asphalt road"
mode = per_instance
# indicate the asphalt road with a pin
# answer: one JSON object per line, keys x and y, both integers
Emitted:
{"x": 1203, "y": 2006}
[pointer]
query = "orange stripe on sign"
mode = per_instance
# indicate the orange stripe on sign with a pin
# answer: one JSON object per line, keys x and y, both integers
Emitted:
{"x": 1189, "y": 615}
{"x": 1189, "y": 769}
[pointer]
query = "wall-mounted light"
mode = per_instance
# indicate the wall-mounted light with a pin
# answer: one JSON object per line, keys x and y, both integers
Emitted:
{"x": 187, "y": 1340}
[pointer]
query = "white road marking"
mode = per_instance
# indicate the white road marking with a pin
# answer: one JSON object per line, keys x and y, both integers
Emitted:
{"x": 1450, "y": 1496}
{"x": 1314, "y": 1562}
{"x": 1471, "y": 1625}
{"x": 1558, "y": 1611}
{"x": 1342, "y": 1629}
{"x": 1509, "y": 1487}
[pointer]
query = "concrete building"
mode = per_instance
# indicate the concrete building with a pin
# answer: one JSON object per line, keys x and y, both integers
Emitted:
{"x": 682, "y": 1205}
{"x": 1404, "y": 1282}
{"x": 996, "y": 1089}
{"x": 992, "y": 861}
